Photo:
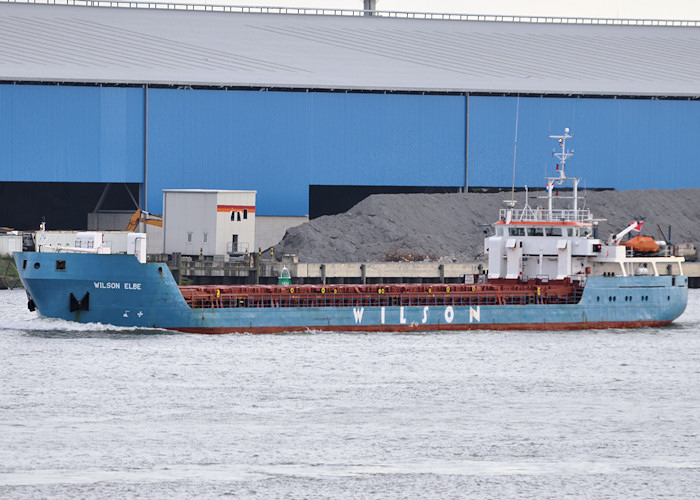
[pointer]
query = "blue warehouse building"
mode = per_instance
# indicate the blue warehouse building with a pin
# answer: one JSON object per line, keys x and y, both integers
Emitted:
{"x": 103, "y": 107}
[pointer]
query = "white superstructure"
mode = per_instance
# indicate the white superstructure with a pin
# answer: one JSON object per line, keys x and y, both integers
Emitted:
{"x": 549, "y": 242}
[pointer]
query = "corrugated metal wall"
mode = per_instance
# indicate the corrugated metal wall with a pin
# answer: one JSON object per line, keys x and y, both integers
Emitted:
{"x": 279, "y": 143}
{"x": 71, "y": 134}
{"x": 618, "y": 143}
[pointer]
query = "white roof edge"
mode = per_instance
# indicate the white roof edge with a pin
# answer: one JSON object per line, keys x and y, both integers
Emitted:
{"x": 272, "y": 87}
{"x": 398, "y": 15}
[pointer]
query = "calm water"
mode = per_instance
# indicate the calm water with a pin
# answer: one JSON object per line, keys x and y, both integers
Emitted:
{"x": 89, "y": 412}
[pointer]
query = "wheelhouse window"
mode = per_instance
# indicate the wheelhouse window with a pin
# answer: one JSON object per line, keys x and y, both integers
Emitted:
{"x": 516, "y": 231}
{"x": 552, "y": 231}
{"x": 535, "y": 231}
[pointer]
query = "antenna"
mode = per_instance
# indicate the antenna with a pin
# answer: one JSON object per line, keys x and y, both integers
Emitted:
{"x": 564, "y": 154}
{"x": 511, "y": 203}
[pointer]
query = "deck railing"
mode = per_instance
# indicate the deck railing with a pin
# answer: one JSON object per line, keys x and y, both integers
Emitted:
{"x": 542, "y": 214}
{"x": 230, "y": 301}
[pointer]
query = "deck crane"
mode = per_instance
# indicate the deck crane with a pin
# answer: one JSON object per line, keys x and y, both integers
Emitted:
{"x": 634, "y": 226}
{"x": 640, "y": 243}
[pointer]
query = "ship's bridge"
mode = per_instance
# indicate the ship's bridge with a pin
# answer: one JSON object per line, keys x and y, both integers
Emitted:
{"x": 534, "y": 229}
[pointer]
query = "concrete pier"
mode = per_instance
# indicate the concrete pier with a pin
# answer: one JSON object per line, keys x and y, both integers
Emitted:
{"x": 692, "y": 271}
{"x": 217, "y": 271}
{"x": 384, "y": 272}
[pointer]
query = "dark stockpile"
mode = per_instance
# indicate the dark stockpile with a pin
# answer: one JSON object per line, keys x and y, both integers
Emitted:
{"x": 450, "y": 227}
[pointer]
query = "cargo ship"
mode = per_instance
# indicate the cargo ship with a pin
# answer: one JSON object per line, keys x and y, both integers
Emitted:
{"x": 547, "y": 270}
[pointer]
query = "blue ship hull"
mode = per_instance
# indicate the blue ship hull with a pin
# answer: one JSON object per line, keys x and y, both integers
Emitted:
{"x": 118, "y": 290}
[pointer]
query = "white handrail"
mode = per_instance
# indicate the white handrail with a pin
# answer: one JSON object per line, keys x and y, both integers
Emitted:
{"x": 534, "y": 215}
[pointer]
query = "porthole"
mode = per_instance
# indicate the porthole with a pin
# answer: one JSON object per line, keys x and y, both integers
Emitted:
{"x": 598, "y": 298}
{"x": 37, "y": 265}
{"x": 60, "y": 265}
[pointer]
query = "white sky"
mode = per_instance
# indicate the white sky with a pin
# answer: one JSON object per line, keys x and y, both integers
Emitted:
{"x": 628, "y": 9}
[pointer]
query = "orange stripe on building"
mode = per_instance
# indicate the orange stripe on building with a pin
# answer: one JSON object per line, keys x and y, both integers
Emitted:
{"x": 233, "y": 208}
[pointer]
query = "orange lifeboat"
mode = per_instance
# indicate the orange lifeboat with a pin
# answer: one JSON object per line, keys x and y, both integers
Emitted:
{"x": 642, "y": 244}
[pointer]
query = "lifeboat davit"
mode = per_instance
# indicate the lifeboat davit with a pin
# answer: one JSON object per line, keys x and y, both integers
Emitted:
{"x": 642, "y": 244}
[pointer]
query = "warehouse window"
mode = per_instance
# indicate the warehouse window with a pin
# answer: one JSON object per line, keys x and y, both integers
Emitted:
{"x": 204, "y": 238}
{"x": 189, "y": 237}
{"x": 245, "y": 213}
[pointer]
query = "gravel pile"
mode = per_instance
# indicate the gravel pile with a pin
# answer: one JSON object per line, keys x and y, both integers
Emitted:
{"x": 450, "y": 227}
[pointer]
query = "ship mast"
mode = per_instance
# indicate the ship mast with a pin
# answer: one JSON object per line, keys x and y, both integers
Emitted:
{"x": 562, "y": 156}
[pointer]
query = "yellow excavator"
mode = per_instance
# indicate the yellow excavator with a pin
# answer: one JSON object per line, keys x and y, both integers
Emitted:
{"x": 145, "y": 217}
